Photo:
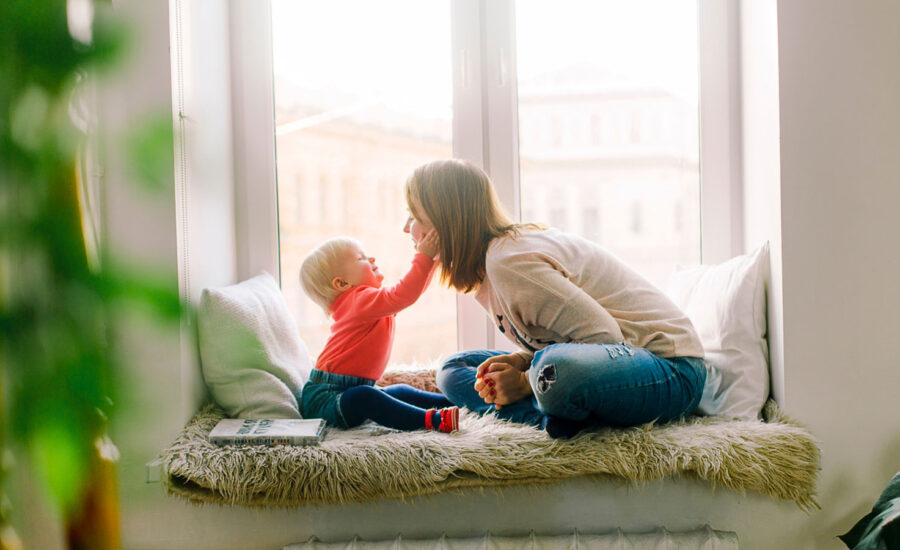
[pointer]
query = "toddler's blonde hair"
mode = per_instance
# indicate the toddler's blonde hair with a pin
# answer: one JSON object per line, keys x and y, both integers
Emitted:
{"x": 318, "y": 270}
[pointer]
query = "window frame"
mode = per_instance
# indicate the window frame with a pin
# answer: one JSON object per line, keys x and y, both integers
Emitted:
{"x": 485, "y": 107}
{"x": 252, "y": 98}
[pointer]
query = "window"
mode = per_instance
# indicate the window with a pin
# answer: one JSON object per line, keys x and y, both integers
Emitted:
{"x": 558, "y": 219}
{"x": 637, "y": 217}
{"x": 613, "y": 67}
{"x": 357, "y": 104}
{"x": 590, "y": 224}
{"x": 598, "y": 98}
{"x": 678, "y": 217}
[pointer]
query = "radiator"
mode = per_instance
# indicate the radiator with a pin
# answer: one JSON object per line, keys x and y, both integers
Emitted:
{"x": 705, "y": 538}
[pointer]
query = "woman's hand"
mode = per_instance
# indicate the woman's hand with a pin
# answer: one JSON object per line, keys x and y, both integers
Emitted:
{"x": 429, "y": 244}
{"x": 516, "y": 360}
{"x": 502, "y": 380}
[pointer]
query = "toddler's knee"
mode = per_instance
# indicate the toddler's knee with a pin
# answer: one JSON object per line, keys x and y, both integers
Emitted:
{"x": 360, "y": 394}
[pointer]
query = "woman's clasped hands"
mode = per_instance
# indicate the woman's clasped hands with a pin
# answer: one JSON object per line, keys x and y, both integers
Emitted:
{"x": 502, "y": 379}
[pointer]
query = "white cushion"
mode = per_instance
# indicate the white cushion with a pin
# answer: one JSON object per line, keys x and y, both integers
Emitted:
{"x": 727, "y": 305}
{"x": 253, "y": 360}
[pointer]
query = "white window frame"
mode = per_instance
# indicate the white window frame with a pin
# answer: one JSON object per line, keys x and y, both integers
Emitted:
{"x": 253, "y": 119}
{"x": 485, "y": 110}
{"x": 721, "y": 145}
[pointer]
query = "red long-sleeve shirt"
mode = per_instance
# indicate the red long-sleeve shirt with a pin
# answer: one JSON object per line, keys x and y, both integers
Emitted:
{"x": 363, "y": 328}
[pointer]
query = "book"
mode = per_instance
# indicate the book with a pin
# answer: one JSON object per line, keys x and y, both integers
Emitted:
{"x": 268, "y": 431}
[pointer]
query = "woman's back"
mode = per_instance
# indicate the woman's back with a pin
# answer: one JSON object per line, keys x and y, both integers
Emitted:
{"x": 546, "y": 286}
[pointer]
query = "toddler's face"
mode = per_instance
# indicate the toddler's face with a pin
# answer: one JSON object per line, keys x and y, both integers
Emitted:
{"x": 358, "y": 268}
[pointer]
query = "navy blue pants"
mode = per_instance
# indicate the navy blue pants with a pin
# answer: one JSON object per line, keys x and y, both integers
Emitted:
{"x": 348, "y": 401}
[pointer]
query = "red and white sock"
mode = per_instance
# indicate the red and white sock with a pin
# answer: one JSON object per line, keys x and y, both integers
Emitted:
{"x": 449, "y": 420}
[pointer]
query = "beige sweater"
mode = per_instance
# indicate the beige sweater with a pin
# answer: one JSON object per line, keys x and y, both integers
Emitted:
{"x": 547, "y": 287}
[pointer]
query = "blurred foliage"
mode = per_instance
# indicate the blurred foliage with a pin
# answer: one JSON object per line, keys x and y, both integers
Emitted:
{"x": 60, "y": 379}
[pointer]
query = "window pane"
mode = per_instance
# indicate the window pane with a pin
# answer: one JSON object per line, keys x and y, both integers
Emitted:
{"x": 360, "y": 101}
{"x": 608, "y": 125}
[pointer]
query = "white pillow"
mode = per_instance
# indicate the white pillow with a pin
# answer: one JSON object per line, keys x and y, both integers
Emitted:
{"x": 253, "y": 360}
{"x": 727, "y": 305}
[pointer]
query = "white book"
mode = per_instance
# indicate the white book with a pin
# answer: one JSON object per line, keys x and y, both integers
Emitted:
{"x": 268, "y": 431}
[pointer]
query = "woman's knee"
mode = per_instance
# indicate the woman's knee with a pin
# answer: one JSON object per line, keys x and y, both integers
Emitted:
{"x": 544, "y": 376}
{"x": 455, "y": 370}
{"x": 446, "y": 376}
{"x": 460, "y": 357}
{"x": 547, "y": 366}
{"x": 557, "y": 383}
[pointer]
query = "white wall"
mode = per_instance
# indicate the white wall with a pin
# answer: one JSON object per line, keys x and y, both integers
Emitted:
{"x": 142, "y": 226}
{"x": 188, "y": 233}
{"x": 839, "y": 94}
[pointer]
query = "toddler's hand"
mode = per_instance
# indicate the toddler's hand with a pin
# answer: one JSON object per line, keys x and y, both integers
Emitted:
{"x": 429, "y": 244}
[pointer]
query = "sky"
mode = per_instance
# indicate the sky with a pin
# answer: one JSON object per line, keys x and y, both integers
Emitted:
{"x": 399, "y": 50}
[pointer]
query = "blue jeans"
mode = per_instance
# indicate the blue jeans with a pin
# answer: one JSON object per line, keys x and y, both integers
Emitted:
{"x": 348, "y": 401}
{"x": 611, "y": 384}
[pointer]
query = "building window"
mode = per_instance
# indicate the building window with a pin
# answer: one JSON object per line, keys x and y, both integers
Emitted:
{"x": 297, "y": 195}
{"x": 678, "y": 217}
{"x": 590, "y": 224}
{"x": 636, "y": 128}
{"x": 597, "y": 130}
{"x": 637, "y": 217}
{"x": 558, "y": 218}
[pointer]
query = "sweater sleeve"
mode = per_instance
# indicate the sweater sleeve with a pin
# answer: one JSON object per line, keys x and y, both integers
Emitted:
{"x": 542, "y": 296}
{"x": 382, "y": 302}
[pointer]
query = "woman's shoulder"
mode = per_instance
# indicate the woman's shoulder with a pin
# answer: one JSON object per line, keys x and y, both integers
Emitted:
{"x": 514, "y": 242}
{"x": 537, "y": 240}
{"x": 527, "y": 244}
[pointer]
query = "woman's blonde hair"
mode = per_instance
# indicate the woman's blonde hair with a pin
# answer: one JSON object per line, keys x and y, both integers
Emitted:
{"x": 319, "y": 269}
{"x": 460, "y": 200}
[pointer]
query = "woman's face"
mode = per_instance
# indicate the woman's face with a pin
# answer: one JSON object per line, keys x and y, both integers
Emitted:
{"x": 418, "y": 224}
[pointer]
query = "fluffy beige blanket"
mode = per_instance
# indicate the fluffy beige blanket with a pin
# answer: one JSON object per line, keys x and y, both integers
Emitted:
{"x": 777, "y": 458}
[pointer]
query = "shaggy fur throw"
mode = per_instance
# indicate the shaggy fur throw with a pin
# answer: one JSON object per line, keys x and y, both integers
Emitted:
{"x": 777, "y": 458}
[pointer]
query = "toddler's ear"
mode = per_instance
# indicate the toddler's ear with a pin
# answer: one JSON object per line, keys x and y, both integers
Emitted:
{"x": 339, "y": 284}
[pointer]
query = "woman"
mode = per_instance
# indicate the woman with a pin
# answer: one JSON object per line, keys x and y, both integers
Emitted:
{"x": 599, "y": 344}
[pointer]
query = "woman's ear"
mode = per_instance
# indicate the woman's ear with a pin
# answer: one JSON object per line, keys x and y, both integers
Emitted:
{"x": 340, "y": 284}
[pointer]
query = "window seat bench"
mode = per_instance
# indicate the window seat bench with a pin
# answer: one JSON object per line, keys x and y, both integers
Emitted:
{"x": 776, "y": 457}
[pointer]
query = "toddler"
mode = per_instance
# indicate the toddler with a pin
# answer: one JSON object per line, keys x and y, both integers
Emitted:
{"x": 345, "y": 281}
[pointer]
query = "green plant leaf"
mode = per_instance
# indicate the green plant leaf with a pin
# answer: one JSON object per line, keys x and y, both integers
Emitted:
{"x": 60, "y": 456}
{"x": 150, "y": 149}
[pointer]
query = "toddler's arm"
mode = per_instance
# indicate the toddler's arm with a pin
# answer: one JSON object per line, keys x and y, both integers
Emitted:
{"x": 381, "y": 302}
